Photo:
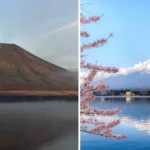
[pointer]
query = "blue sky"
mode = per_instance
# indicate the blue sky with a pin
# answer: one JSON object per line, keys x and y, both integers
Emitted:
{"x": 129, "y": 20}
{"x": 46, "y": 28}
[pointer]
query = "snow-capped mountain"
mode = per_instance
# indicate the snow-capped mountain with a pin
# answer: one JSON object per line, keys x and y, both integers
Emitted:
{"x": 133, "y": 80}
{"x": 137, "y": 76}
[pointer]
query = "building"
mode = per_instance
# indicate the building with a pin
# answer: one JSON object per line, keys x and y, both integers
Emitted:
{"x": 128, "y": 93}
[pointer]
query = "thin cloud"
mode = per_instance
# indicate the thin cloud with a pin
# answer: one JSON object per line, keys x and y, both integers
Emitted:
{"x": 63, "y": 28}
{"x": 66, "y": 27}
{"x": 62, "y": 44}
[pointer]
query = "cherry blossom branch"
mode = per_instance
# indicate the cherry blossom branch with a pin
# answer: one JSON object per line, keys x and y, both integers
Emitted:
{"x": 88, "y": 20}
{"x": 86, "y": 94}
{"x": 97, "y": 68}
{"x": 107, "y": 134}
{"x": 94, "y": 44}
{"x": 96, "y": 111}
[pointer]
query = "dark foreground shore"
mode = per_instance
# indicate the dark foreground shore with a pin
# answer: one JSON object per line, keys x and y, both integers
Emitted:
{"x": 26, "y": 98}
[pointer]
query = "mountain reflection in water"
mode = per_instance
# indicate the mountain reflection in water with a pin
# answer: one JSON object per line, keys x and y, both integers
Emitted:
{"x": 39, "y": 126}
{"x": 135, "y": 123}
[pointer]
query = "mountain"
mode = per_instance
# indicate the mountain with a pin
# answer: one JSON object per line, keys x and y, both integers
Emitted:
{"x": 21, "y": 70}
{"x": 135, "y": 80}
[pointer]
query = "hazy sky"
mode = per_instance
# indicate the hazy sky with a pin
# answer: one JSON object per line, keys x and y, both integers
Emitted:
{"x": 47, "y": 28}
{"x": 129, "y": 20}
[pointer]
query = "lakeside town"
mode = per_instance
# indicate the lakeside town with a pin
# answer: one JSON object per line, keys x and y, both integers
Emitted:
{"x": 126, "y": 92}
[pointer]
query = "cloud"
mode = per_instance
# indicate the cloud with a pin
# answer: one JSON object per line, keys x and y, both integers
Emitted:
{"x": 141, "y": 66}
{"x": 60, "y": 46}
{"x": 66, "y": 27}
{"x": 63, "y": 28}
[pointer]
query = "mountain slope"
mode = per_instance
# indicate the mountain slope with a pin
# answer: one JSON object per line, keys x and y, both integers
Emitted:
{"x": 21, "y": 70}
{"x": 131, "y": 81}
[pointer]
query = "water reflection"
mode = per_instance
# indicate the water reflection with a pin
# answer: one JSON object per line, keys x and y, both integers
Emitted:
{"x": 142, "y": 125}
{"x": 38, "y": 126}
{"x": 135, "y": 123}
{"x": 128, "y": 99}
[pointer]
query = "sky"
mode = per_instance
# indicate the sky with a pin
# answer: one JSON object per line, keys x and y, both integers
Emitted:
{"x": 46, "y": 28}
{"x": 129, "y": 21}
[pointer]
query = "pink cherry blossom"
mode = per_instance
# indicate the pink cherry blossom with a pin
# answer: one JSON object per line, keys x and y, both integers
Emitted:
{"x": 84, "y": 34}
{"x": 85, "y": 20}
{"x": 86, "y": 94}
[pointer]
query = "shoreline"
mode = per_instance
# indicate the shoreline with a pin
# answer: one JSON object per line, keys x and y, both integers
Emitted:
{"x": 38, "y": 93}
{"x": 123, "y": 96}
{"x": 27, "y": 98}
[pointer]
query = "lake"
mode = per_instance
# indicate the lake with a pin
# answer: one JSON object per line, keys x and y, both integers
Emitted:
{"x": 135, "y": 123}
{"x": 48, "y": 125}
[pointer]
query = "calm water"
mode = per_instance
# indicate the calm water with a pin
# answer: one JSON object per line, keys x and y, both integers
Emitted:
{"x": 39, "y": 126}
{"x": 135, "y": 124}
